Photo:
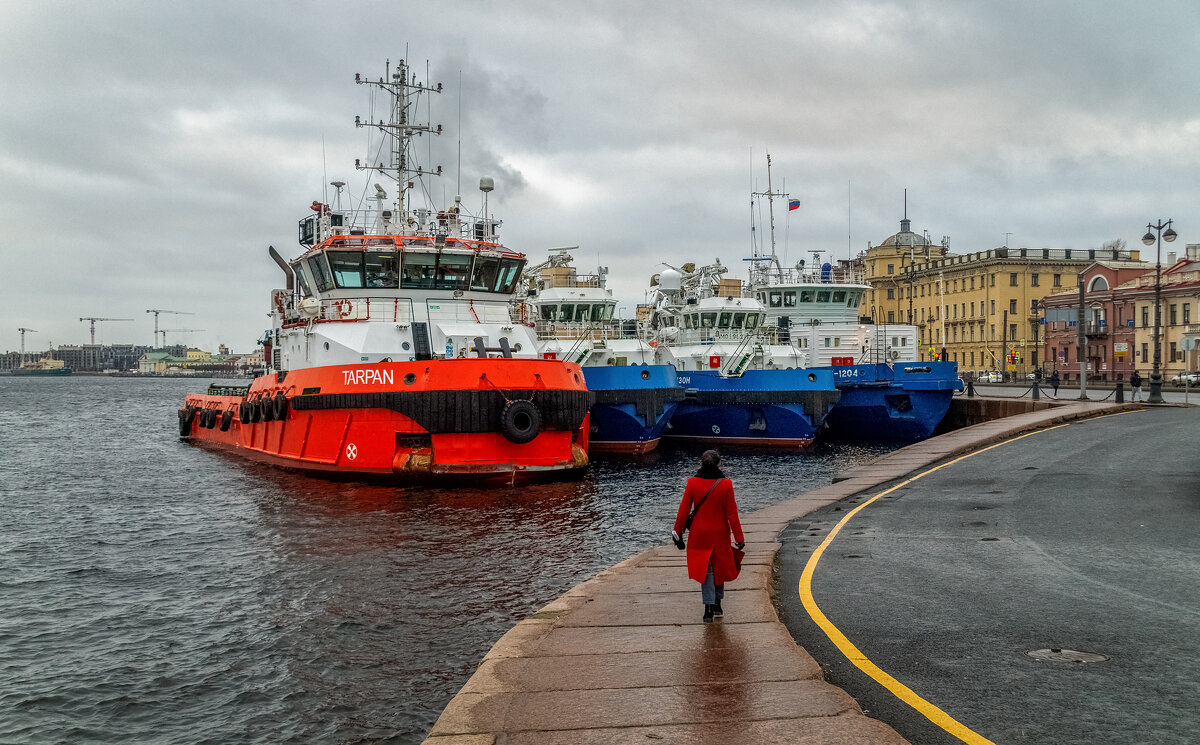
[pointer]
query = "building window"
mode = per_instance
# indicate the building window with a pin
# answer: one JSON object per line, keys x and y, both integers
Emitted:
{"x": 891, "y": 316}
{"x": 972, "y": 309}
{"x": 1012, "y": 331}
{"x": 993, "y": 281}
{"x": 1033, "y": 280}
{"x": 1174, "y": 352}
{"x": 993, "y": 307}
{"x": 891, "y": 294}
{"x": 1012, "y": 307}
{"x": 993, "y": 332}
{"x": 1174, "y": 319}
{"x": 972, "y": 287}
{"x": 1145, "y": 352}
{"x": 1012, "y": 279}
{"x": 1058, "y": 280}
{"x": 1187, "y": 313}
{"x": 1145, "y": 316}
{"x": 891, "y": 268}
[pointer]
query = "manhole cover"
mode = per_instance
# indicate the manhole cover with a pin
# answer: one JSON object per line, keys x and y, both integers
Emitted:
{"x": 1054, "y": 654}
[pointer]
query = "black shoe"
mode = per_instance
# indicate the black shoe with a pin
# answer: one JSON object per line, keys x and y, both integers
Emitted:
{"x": 717, "y": 610}
{"x": 708, "y": 614}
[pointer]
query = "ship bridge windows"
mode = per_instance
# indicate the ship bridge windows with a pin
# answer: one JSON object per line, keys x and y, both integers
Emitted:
{"x": 822, "y": 296}
{"x": 453, "y": 271}
{"x": 418, "y": 271}
{"x": 789, "y": 299}
{"x": 708, "y": 320}
{"x": 724, "y": 320}
{"x": 382, "y": 269}
{"x": 347, "y": 268}
{"x": 806, "y": 296}
{"x": 303, "y": 279}
{"x": 583, "y": 312}
{"x": 483, "y": 277}
{"x": 753, "y": 319}
{"x": 839, "y": 296}
{"x": 320, "y": 272}
{"x": 776, "y": 299}
{"x": 510, "y": 272}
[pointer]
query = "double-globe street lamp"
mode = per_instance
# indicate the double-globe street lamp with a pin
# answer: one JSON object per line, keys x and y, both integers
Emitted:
{"x": 1157, "y": 234}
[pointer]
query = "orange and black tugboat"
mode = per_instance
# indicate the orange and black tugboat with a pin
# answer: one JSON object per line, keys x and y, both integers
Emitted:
{"x": 392, "y": 351}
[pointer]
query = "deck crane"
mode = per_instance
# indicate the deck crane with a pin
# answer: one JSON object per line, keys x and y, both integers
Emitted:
{"x": 156, "y": 311}
{"x": 181, "y": 331}
{"x": 24, "y": 331}
{"x": 94, "y": 319}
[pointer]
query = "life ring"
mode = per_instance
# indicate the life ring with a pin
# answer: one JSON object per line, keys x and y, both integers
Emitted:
{"x": 226, "y": 420}
{"x": 343, "y": 307}
{"x": 520, "y": 421}
{"x": 186, "y": 415}
{"x": 265, "y": 409}
{"x": 280, "y": 406}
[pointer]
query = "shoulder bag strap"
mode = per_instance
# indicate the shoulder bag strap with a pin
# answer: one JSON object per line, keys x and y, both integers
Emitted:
{"x": 687, "y": 525}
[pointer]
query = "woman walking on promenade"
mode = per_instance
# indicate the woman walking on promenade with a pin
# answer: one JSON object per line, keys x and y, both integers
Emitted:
{"x": 708, "y": 499}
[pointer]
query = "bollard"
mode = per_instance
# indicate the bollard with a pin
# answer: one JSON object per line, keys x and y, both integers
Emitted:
{"x": 1120, "y": 392}
{"x": 1037, "y": 394}
{"x": 970, "y": 389}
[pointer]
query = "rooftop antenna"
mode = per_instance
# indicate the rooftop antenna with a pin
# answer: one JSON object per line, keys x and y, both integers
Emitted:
{"x": 458, "y": 158}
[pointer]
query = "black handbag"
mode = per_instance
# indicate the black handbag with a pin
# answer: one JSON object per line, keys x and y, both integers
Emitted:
{"x": 680, "y": 543}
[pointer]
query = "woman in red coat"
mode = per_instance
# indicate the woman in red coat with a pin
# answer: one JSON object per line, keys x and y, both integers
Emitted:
{"x": 709, "y": 555}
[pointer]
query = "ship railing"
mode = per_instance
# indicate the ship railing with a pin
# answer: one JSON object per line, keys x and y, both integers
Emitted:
{"x": 572, "y": 330}
{"x": 711, "y": 336}
{"x": 735, "y": 364}
{"x": 469, "y": 311}
{"x": 836, "y": 275}
{"x": 384, "y": 309}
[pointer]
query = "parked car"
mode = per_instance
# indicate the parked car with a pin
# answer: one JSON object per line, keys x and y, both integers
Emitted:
{"x": 1187, "y": 378}
{"x": 990, "y": 376}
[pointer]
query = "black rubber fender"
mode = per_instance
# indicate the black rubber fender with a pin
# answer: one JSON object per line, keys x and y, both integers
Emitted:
{"x": 212, "y": 418}
{"x": 520, "y": 421}
{"x": 186, "y": 415}
{"x": 226, "y": 420}
{"x": 280, "y": 406}
{"x": 266, "y": 411}
{"x": 244, "y": 413}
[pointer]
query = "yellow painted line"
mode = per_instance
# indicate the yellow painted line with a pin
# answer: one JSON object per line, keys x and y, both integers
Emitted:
{"x": 898, "y": 689}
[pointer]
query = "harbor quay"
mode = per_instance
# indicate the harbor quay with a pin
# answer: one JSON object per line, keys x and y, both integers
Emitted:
{"x": 625, "y": 658}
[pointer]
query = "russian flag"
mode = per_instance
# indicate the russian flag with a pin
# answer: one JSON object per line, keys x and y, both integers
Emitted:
{"x": 793, "y": 204}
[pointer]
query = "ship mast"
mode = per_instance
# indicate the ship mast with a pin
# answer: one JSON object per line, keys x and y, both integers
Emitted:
{"x": 401, "y": 127}
{"x": 770, "y": 194}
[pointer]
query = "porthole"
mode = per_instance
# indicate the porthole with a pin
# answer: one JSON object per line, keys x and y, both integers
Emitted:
{"x": 645, "y": 374}
{"x": 410, "y": 378}
{"x": 517, "y": 347}
{"x": 404, "y": 346}
{"x": 326, "y": 346}
{"x": 812, "y": 377}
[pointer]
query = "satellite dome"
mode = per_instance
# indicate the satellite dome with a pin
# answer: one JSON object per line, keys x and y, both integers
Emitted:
{"x": 670, "y": 280}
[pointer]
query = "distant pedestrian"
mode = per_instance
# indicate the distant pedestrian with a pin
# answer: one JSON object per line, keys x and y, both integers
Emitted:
{"x": 1054, "y": 381}
{"x": 1135, "y": 384}
{"x": 708, "y": 499}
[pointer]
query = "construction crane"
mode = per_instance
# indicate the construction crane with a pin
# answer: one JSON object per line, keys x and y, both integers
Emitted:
{"x": 94, "y": 319}
{"x": 23, "y": 332}
{"x": 173, "y": 331}
{"x": 156, "y": 311}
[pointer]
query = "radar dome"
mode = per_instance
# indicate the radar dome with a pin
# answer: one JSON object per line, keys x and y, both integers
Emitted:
{"x": 670, "y": 280}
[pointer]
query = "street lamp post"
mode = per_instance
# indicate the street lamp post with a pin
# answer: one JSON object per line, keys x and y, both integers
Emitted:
{"x": 1161, "y": 232}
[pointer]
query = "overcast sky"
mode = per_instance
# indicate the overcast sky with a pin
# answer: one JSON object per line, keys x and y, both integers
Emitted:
{"x": 151, "y": 151}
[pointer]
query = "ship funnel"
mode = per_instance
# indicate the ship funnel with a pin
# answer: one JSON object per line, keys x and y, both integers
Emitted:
{"x": 287, "y": 270}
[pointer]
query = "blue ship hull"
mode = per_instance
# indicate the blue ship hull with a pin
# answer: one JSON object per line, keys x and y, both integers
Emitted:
{"x": 777, "y": 408}
{"x": 906, "y": 401}
{"x": 632, "y": 406}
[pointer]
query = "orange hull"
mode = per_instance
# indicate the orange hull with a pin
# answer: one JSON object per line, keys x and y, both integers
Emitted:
{"x": 505, "y": 418}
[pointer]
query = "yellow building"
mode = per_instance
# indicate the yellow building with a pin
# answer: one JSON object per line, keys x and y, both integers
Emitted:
{"x": 981, "y": 308}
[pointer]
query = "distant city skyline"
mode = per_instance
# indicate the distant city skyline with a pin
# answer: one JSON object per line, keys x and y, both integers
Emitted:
{"x": 150, "y": 152}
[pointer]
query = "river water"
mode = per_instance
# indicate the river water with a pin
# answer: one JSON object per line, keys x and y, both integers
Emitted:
{"x": 156, "y": 592}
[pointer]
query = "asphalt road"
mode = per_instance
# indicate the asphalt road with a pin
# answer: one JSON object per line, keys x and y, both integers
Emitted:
{"x": 1082, "y": 538}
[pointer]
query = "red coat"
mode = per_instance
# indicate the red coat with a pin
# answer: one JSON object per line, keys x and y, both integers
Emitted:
{"x": 708, "y": 537}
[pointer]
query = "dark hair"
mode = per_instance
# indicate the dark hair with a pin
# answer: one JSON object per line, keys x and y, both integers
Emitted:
{"x": 710, "y": 465}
